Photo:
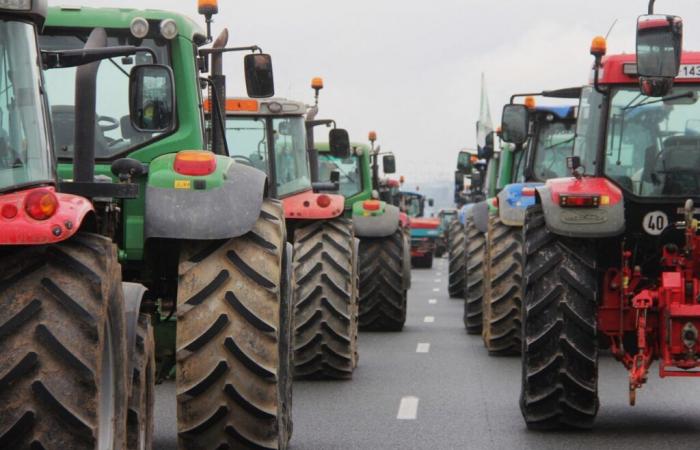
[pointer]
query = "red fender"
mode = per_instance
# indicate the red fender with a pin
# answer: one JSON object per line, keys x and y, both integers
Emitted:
{"x": 311, "y": 206}
{"x": 24, "y": 230}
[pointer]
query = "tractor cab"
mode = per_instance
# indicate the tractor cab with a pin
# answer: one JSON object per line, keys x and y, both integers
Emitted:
{"x": 355, "y": 180}
{"x": 271, "y": 135}
{"x": 424, "y": 230}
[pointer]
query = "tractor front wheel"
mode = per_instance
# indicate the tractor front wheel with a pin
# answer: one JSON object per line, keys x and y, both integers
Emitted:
{"x": 139, "y": 424}
{"x": 475, "y": 253}
{"x": 560, "y": 351}
{"x": 458, "y": 263}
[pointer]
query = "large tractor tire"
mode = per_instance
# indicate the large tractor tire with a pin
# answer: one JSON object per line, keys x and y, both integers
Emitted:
{"x": 63, "y": 371}
{"x": 382, "y": 286}
{"x": 232, "y": 387}
{"x": 139, "y": 421}
{"x": 325, "y": 300}
{"x": 475, "y": 253}
{"x": 503, "y": 290}
{"x": 560, "y": 353}
{"x": 456, "y": 245}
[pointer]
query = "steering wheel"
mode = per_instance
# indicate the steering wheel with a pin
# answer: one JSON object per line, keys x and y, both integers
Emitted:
{"x": 110, "y": 123}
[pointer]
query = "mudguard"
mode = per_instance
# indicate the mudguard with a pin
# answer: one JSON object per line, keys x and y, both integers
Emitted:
{"x": 480, "y": 216}
{"x": 604, "y": 221}
{"x": 375, "y": 226}
{"x": 406, "y": 259}
{"x": 228, "y": 210}
{"x": 512, "y": 203}
{"x": 465, "y": 213}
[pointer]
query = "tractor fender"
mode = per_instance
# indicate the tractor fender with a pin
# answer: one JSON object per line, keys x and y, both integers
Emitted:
{"x": 480, "y": 216}
{"x": 225, "y": 212}
{"x": 512, "y": 204}
{"x": 604, "y": 221}
{"x": 382, "y": 225}
{"x": 465, "y": 213}
{"x": 133, "y": 296}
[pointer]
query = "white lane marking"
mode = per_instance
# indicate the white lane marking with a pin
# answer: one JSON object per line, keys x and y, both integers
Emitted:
{"x": 429, "y": 319}
{"x": 439, "y": 274}
{"x": 436, "y": 289}
{"x": 423, "y": 347}
{"x": 408, "y": 408}
{"x": 438, "y": 280}
{"x": 432, "y": 301}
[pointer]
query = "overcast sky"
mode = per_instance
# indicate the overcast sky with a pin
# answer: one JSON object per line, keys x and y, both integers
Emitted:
{"x": 410, "y": 70}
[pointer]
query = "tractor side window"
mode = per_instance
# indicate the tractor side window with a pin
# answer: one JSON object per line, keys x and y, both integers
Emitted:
{"x": 588, "y": 129}
{"x": 555, "y": 143}
{"x": 519, "y": 161}
{"x": 291, "y": 158}
{"x": 247, "y": 141}
{"x": 349, "y": 169}
{"x": 24, "y": 151}
{"x": 114, "y": 133}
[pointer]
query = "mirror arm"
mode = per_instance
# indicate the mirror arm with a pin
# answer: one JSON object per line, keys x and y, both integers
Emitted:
{"x": 216, "y": 112}
{"x": 651, "y": 6}
{"x": 73, "y": 58}
{"x": 211, "y": 51}
{"x": 596, "y": 76}
{"x": 316, "y": 123}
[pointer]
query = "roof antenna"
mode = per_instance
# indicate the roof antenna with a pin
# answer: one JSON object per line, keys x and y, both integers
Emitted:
{"x": 611, "y": 28}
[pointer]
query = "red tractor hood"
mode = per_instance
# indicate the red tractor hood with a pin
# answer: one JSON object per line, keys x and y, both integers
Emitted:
{"x": 424, "y": 223}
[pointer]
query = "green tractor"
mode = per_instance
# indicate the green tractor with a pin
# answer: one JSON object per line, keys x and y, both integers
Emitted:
{"x": 199, "y": 231}
{"x": 385, "y": 268}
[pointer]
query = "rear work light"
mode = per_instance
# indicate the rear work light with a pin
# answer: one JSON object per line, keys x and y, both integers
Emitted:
{"x": 16, "y": 5}
{"x": 579, "y": 201}
{"x": 195, "y": 163}
{"x": 371, "y": 205}
{"x": 41, "y": 204}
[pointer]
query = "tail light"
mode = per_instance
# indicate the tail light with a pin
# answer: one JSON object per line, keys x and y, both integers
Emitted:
{"x": 195, "y": 163}
{"x": 41, "y": 204}
{"x": 528, "y": 192}
{"x": 494, "y": 202}
{"x": 579, "y": 201}
{"x": 371, "y": 205}
{"x": 323, "y": 201}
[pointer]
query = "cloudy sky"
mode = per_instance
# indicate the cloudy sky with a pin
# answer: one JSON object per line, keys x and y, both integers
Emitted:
{"x": 410, "y": 70}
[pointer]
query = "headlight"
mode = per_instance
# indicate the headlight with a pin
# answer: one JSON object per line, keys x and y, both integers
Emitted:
{"x": 168, "y": 29}
{"x": 139, "y": 27}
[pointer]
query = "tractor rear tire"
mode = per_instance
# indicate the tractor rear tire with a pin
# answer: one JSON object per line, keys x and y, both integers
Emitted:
{"x": 503, "y": 290}
{"x": 63, "y": 371}
{"x": 232, "y": 389}
{"x": 560, "y": 347}
{"x": 382, "y": 293}
{"x": 325, "y": 300}
{"x": 458, "y": 261}
{"x": 139, "y": 421}
{"x": 475, "y": 253}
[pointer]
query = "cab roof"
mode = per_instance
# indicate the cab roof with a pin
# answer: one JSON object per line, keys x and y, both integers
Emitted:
{"x": 120, "y": 18}
{"x": 622, "y": 69}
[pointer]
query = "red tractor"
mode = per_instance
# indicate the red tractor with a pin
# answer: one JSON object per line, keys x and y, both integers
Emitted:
{"x": 612, "y": 254}
{"x": 68, "y": 329}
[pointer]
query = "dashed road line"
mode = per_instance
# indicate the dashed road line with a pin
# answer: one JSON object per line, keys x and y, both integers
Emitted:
{"x": 432, "y": 301}
{"x": 438, "y": 280}
{"x": 429, "y": 319}
{"x": 423, "y": 347}
{"x": 408, "y": 408}
{"x": 436, "y": 289}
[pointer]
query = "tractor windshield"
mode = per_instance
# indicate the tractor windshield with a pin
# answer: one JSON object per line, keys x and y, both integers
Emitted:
{"x": 24, "y": 151}
{"x": 349, "y": 169}
{"x": 114, "y": 134}
{"x": 555, "y": 142}
{"x": 248, "y": 142}
{"x": 652, "y": 144}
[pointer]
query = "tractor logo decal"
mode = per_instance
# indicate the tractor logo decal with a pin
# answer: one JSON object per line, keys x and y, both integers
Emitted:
{"x": 584, "y": 217}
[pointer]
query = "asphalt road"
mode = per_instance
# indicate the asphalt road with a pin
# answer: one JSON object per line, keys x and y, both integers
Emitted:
{"x": 450, "y": 394}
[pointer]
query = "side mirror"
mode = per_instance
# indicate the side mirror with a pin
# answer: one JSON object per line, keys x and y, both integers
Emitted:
{"x": 431, "y": 202}
{"x": 339, "y": 143}
{"x": 464, "y": 162}
{"x": 515, "y": 124}
{"x": 389, "y": 164}
{"x": 152, "y": 98}
{"x": 259, "y": 79}
{"x": 659, "y": 48}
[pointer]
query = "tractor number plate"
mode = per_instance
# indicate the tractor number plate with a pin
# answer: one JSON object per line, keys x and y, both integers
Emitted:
{"x": 655, "y": 222}
{"x": 689, "y": 71}
{"x": 183, "y": 184}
